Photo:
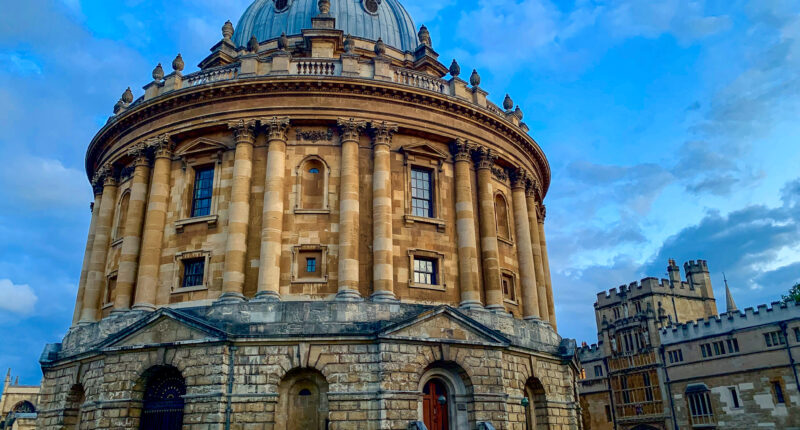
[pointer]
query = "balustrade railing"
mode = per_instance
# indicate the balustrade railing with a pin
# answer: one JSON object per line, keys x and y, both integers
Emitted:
{"x": 419, "y": 80}
{"x": 211, "y": 75}
{"x": 316, "y": 67}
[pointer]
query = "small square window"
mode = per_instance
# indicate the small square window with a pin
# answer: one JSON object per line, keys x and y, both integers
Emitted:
{"x": 425, "y": 271}
{"x": 193, "y": 271}
{"x": 311, "y": 265}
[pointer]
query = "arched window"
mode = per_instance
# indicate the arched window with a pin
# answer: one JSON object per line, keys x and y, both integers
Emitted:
{"x": 24, "y": 407}
{"x": 535, "y": 406}
{"x": 303, "y": 401}
{"x": 72, "y": 409}
{"x": 122, "y": 216}
{"x": 162, "y": 406}
{"x": 312, "y": 177}
{"x": 501, "y": 215}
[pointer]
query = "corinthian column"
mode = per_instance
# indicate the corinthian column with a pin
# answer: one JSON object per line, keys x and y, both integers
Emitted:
{"x": 383, "y": 268}
{"x": 533, "y": 222}
{"x": 87, "y": 255}
{"x": 269, "y": 274}
{"x": 349, "y": 210}
{"x": 96, "y": 277}
{"x": 465, "y": 226}
{"x": 129, "y": 255}
{"x": 546, "y": 267}
{"x": 244, "y": 132}
{"x": 154, "y": 223}
{"x": 527, "y": 270}
{"x": 489, "y": 252}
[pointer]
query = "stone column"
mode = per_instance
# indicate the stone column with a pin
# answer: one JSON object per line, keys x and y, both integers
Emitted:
{"x": 465, "y": 226}
{"x": 87, "y": 255}
{"x": 129, "y": 255}
{"x": 96, "y": 277}
{"x": 269, "y": 273}
{"x": 244, "y": 132}
{"x": 488, "y": 225}
{"x": 527, "y": 270}
{"x": 154, "y": 223}
{"x": 546, "y": 267}
{"x": 533, "y": 222}
{"x": 349, "y": 210}
{"x": 382, "y": 245}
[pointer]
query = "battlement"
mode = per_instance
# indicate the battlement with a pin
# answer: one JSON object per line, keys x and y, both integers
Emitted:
{"x": 645, "y": 287}
{"x": 698, "y": 266}
{"x": 590, "y": 353}
{"x": 728, "y": 322}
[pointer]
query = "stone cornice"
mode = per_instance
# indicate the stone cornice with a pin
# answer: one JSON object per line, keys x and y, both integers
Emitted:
{"x": 255, "y": 87}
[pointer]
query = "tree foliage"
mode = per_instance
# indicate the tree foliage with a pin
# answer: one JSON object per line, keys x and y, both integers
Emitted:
{"x": 794, "y": 294}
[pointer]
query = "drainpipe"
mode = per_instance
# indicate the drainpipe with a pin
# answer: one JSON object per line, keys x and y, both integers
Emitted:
{"x": 789, "y": 352}
{"x": 669, "y": 388}
{"x": 228, "y": 408}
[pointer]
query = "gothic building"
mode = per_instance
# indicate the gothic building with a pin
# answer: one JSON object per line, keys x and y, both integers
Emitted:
{"x": 319, "y": 229}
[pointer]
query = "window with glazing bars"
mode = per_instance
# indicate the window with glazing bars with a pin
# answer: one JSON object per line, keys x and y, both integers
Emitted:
{"x": 700, "y": 408}
{"x": 775, "y": 338}
{"x": 193, "y": 272}
{"x": 421, "y": 192}
{"x": 203, "y": 188}
{"x": 311, "y": 265}
{"x": 425, "y": 271}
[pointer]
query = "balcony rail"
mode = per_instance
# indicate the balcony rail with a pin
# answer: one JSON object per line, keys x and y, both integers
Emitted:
{"x": 211, "y": 75}
{"x": 316, "y": 67}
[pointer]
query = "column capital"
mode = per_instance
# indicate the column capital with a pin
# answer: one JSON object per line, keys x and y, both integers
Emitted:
{"x": 484, "y": 157}
{"x": 520, "y": 178}
{"x": 382, "y": 132}
{"x": 104, "y": 176}
{"x": 351, "y": 128}
{"x": 139, "y": 154}
{"x": 534, "y": 188}
{"x": 277, "y": 127}
{"x": 244, "y": 130}
{"x": 161, "y": 146}
{"x": 461, "y": 150}
{"x": 541, "y": 210}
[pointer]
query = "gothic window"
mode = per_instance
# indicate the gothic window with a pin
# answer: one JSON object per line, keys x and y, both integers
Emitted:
{"x": 193, "y": 272}
{"x": 122, "y": 216}
{"x": 699, "y": 405}
{"x": 501, "y": 217}
{"x": 202, "y": 191}
{"x": 425, "y": 271}
{"x": 421, "y": 192}
{"x": 24, "y": 407}
{"x": 163, "y": 400}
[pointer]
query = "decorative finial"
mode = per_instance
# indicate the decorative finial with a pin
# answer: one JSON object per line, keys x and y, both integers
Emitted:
{"x": 252, "y": 45}
{"x": 178, "y": 64}
{"x": 475, "y": 79}
{"x": 227, "y": 30}
{"x": 380, "y": 47}
{"x": 324, "y": 6}
{"x": 158, "y": 73}
{"x": 348, "y": 44}
{"x": 455, "y": 69}
{"x": 508, "y": 104}
{"x": 518, "y": 113}
{"x": 283, "y": 42}
{"x": 425, "y": 36}
{"x": 127, "y": 96}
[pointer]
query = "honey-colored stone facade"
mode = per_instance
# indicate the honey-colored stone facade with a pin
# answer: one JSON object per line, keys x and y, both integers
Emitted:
{"x": 19, "y": 405}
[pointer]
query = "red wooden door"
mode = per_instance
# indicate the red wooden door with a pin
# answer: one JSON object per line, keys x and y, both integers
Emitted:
{"x": 434, "y": 414}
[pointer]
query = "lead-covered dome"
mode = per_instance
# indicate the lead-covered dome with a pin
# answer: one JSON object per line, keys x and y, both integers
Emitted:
{"x": 368, "y": 19}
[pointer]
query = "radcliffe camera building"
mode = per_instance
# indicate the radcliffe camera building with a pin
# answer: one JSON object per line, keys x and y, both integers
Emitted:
{"x": 322, "y": 228}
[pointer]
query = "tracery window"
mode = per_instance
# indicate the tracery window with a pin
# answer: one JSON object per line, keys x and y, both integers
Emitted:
{"x": 421, "y": 192}
{"x": 202, "y": 191}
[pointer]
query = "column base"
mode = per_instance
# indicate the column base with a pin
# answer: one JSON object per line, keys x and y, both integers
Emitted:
{"x": 266, "y": 296}
{"x": 146, "y": 307}
{"x": 470, "y": 304}
{"x": 496, "y": 308}
{"x": 533, "y": 318}
{"x": 120, "y": 311}
{"x": 348, "y": 295}
{"x": 383, "y": 297}
{"x": 228, "y": 298}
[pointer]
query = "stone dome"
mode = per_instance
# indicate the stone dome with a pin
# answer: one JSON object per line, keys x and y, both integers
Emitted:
{"x": 267, "y": 19}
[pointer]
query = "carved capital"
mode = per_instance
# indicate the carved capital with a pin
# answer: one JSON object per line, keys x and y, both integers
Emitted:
{"x": 534, "y": 189}
{"x": 139, "y": 154}
{"x": 540, "y": 207}
{"x": 351, "y": 128}
{"x": 484, "y": 157}
{"x": 382, "y": 132}
{"x": 161, "y": 146}
{"x": 519, "y": 178}
{"x": 461, "y": 149}
{"x": 277, "y": 128}
{"x": 104, "y": 176}
{"x": 244, "y": 130}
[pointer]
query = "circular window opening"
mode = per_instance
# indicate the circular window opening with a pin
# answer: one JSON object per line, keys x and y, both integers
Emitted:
{"x": 371, "y": 6}
{"x": 281, "y": 5}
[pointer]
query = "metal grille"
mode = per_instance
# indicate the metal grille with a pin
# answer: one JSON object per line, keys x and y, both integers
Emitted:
{"x": 421, "y": 194}
{"x": 203, "y": 188}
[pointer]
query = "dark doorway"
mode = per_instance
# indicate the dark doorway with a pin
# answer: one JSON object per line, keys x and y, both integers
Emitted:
{"x": 163, "y": 400}
{"x": 434, "y": 405}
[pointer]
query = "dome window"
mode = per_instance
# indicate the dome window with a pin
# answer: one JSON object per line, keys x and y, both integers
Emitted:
{"x": 281, "y": 5}
{"x": 371, "y": 6}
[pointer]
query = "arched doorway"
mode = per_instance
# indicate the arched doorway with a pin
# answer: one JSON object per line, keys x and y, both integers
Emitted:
{"x": 163, "y": 400}
{"x": 434, "y": 405}
{"x": 535, "y": 403}
{"x": 304, "y": 400}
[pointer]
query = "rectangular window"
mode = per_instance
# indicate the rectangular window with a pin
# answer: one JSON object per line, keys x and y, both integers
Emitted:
{"x": 648, "y": 389}
{"x": 193, "y": 272}
{"x": 716, "y": 348}
{"x": 735, "y": 398}
{"x": 626, "y": 395}
{"x": 421, "y": 192}
{"x": 778, "y": 389}
{"x": 509, "y": 291}
{"x": 111, "y": 288}
{"x": 797, "y": 334}
{"x": 700, "y": 408}
{"x": 706, "y": 350}
{"x": 775, "y": 338}
{"x": 733, "y": 346}
{"x": 680, "y": 355}
{"x": 598, "y": 370}
{"x": 311, "y": 265}
{"x": 425, "y": 271}
{"x": 203, "y": 188}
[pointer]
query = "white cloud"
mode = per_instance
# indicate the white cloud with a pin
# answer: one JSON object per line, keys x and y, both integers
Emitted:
{"x": 19, "y": 299}
{"x": 43, "y": 183}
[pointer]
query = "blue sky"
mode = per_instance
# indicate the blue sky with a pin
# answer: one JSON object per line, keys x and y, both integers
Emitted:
{"x": 670, "y": 127}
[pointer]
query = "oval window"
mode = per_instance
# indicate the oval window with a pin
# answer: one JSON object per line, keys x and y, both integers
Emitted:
{"x": 280, "y": 5}
{"x": 371, "y": 5}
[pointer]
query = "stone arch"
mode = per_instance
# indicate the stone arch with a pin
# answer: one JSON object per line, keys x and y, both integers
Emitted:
{"x": 73, "y": 407}
{"x": 24, "y": 407}
{"x": 536, "y": 409}
{"x": 313, "y": 177}
{"x": 502, "y": 217}
{"x": 459, "y": 394}
{"x": 302, "y": 400}
{"x": 121, "y": 215}
{"x": 158, "y": 397}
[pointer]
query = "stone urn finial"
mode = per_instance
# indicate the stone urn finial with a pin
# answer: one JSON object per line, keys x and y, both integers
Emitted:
{"x": 283, "y": 42}
{"x": 227, "y": 30}
{"x": 380, "y": 47}
{"x": 425, "y": 37}
{"x": 127, "y": 96}
{"x": 158, "y": 73}
{"x": 508, "y": 104}
{"x": 475, "y": 79}
{"x": 324, "y": 7}
{"x": 252, "y": 45}
{"x": 348, "y": 44}
{"x": 178, "y": 64}
{"x": 455, "y": 69}
{"x": 518, "y": 113}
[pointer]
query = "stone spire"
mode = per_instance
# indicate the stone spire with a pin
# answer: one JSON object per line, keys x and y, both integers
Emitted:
{"x": 730, "y": 305}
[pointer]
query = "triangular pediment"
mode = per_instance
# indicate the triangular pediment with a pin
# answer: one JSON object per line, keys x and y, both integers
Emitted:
{"x": 200, "y": 145}
{"x": 424, "y": 150}
{"x": 444, "y": 324}
{"x": 164, "y": 327}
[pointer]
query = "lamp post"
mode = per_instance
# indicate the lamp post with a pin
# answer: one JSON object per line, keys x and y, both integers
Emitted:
{"x": 525, "y": 402}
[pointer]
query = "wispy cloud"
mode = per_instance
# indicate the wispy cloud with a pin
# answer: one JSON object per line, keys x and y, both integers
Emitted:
{"x": 18, "y": 299}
